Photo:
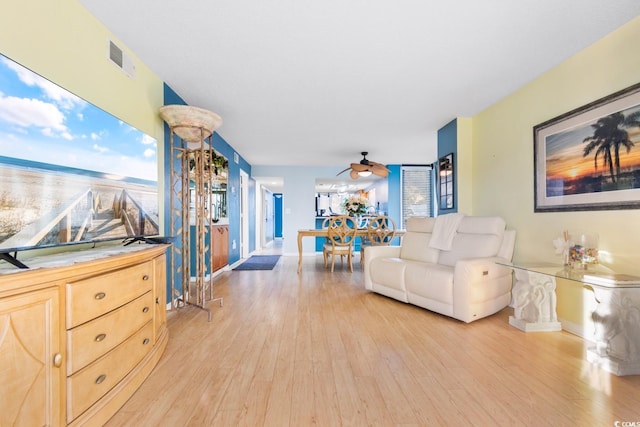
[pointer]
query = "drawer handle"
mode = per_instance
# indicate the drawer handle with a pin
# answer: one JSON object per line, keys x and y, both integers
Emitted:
{"x": 101, "y": 378}
{"x": 100, "y": 295}
{"x": 145, "y": 341}
{"x": 100, "y": 337}
{"x": 145, "y": 310}
{"x": 57, "y": 360}
{"x": 145, "y": 277}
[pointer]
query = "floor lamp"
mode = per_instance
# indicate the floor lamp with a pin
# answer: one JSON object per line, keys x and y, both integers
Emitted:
{"x": 191, "y": 184}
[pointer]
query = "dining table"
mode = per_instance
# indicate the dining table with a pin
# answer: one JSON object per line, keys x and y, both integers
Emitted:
{"x": 324, "y": 232}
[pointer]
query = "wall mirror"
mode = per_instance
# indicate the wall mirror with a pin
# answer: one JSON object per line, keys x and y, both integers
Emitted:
{"x": 447, "y": 188}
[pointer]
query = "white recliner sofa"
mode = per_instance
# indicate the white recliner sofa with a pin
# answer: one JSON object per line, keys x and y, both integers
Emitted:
{"x": 463, "y": 281}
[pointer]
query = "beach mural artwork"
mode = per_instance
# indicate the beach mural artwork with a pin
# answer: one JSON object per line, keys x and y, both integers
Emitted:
{"x": 69, "y": 171}
{"x": 589, "y": 158}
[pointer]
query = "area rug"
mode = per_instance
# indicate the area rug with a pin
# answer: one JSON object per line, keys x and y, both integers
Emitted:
{"x": 259, "y": 262}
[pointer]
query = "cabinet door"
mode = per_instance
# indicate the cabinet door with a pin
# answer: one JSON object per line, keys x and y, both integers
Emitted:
{"x": 217, "y": 239}
{"x": 220, "y": 247}
{"x": 224, "y": 247}
{"x": 31, "y": 374}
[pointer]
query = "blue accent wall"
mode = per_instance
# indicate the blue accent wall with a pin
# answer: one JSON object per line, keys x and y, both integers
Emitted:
{"x": 233, "y": 196}
{"x": 394, "y": 204}
{"x": 448, "y": 143}
{"x": 173, "y": 274}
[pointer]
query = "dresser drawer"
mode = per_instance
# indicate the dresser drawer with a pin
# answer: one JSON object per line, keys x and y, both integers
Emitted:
{"x": 92, "y": 297}
{"x": 88, "y": 385}
{"x": 91, "y": 340}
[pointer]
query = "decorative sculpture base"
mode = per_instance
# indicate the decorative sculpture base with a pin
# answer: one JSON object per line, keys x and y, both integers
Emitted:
{"x": 613, "y": 364}
{"x": 525, "y": 326}
{"x": 534, "y": 299}
{"x": 616, "y": 319}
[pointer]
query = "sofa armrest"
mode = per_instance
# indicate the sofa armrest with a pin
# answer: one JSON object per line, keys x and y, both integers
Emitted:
{"x": 373, "y": 252}
{"x": 478, "y": 280}
{"x": 480, "y": 269}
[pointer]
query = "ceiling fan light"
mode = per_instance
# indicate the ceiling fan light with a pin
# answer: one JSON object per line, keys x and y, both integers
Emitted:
{"x": 364, "y": 173}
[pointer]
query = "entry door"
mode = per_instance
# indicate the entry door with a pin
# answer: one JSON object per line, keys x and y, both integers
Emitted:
{"x": 277, "y": 215}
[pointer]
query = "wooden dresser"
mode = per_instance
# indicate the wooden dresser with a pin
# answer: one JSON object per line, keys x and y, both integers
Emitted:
{"x": 79, "y": 333}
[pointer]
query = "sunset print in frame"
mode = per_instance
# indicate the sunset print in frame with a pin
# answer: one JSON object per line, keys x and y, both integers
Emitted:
{"x": 589, "y": 158}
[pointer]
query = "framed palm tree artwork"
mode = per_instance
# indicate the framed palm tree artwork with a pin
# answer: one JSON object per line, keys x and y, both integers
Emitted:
{"x": 589, "y": 158}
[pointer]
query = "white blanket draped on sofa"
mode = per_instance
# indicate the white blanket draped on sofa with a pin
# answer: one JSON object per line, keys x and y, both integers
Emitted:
{"x": 444, "y": 230}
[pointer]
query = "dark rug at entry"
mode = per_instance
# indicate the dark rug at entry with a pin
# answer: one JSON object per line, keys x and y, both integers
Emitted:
{"x": 259, "y": 262}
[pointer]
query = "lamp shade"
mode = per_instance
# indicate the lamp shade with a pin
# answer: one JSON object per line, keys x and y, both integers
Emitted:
{"x": 192, "y": 124}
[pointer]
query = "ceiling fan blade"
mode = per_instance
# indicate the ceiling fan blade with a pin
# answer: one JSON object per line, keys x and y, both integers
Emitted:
{"x": 360, "y": 168}
{"x": 354, "y": 175}
{"x": 380, "y": 170}
{"x": 379, "y": 165}
{"x": 341, "y": 172}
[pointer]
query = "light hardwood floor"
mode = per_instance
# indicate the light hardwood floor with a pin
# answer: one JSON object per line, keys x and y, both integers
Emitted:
{"x": 317, "y": 349}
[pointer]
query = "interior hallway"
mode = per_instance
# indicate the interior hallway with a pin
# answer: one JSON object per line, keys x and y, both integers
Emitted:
{"x": 273, "y": 248}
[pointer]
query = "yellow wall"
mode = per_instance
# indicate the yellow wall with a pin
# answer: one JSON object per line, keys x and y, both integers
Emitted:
{"x": 503, "y": 159}
{"x": 63, "y": 42}
{"x": 464, "y": 166}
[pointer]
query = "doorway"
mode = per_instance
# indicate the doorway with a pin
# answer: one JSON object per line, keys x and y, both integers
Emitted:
{"x": 268, "y": 217}
{"x": 244, "y": 214}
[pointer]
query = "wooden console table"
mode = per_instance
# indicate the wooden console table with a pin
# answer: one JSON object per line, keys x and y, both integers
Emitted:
{"x": 616, "y": 317}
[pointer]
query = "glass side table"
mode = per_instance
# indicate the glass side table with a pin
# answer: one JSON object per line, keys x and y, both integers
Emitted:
{"x": 616, "y": 317}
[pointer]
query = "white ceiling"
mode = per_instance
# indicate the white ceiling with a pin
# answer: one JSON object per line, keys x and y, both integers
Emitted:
{"x": 301, "y": 82}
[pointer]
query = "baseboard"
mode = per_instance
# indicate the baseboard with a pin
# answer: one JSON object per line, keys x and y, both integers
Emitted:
{"x": 576, "y": 329}
{"x": 216, "y": 273}
{"x": 235, "y": 264}
{"x": 304, "y": 254}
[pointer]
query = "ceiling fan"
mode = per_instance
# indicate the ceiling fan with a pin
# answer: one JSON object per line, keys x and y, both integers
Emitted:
{"x": 365, "y": 168}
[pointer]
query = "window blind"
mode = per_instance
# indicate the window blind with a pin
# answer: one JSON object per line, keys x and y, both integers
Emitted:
{"x": 417, "y": 192}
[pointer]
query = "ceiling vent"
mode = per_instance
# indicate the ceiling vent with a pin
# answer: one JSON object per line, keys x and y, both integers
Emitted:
{"x": 121, "y": 59}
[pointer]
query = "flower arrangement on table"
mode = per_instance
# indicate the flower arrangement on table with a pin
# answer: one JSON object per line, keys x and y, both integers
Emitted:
{"x": 355, "y": 205}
